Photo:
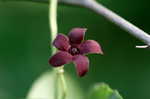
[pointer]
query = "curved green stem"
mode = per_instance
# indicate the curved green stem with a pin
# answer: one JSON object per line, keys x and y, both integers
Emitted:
{"x": 53, "y": 21}
{"x": 60, "y": 83}
{"x": 63, "y": 83}
{"x": 53, "y": 27}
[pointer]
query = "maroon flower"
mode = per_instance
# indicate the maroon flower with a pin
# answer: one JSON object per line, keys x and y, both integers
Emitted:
{"x": 73, "y": 48}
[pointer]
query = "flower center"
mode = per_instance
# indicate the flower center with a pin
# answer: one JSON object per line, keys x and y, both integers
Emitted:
{"x": 74, "y": 51}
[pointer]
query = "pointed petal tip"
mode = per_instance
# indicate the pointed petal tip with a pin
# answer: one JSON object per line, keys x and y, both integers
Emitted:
{"x": 82, "y": 74}
{"x": 91, "y": 46}
{"x": 100, "y": 51}
{"x": 83, "y": 29}
{"x": 82, "y": 64}
{"x": 79, "y": 28}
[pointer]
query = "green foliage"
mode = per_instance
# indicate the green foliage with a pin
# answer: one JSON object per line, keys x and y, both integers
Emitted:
{"x": 103, "y": 91}
{"x": 46, "y": 85}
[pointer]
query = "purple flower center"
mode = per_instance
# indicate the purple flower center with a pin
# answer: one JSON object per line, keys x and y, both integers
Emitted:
{"x": 74, "y": 51}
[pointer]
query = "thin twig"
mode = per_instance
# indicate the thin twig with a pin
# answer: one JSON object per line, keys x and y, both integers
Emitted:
{"x": 142, "y": 46}
{"x": 111, "y": 16}
{"x": 108, "y": 14}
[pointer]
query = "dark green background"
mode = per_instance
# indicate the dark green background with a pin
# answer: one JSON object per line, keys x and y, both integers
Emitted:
{"x": 24, "y": 47}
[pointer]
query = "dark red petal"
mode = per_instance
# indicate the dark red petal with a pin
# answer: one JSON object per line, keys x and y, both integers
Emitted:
{"x": 76, "y": 35}
{"x": 90, "y": 46}
{"x": 81, "y": 64}
{"x": 61, "y": 42}
{"x": 60, "y": 58}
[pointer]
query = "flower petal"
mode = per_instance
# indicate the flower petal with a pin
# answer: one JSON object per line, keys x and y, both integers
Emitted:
{"x": 90, "y": 46}
{"x": 81, "y": 64}
{"x": 76, "y": 35}
{"x": 61, "y": 42}
{"x": 60, "y": 58}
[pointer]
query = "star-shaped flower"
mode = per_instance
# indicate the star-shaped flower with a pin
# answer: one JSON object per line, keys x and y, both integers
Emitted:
{"x": 73, "y": 48}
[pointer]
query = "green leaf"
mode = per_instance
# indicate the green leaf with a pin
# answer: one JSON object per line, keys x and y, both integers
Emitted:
{"x": 45, "y": 87}
{"x": 103, "y": 91}
{"x": 115, "y": 95}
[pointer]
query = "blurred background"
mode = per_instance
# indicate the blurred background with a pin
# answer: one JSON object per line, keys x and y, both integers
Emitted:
{"x": 25, "y": 47}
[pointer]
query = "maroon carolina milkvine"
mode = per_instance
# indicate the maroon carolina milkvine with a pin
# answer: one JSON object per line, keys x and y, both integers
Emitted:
{"x": 73, "y": 48}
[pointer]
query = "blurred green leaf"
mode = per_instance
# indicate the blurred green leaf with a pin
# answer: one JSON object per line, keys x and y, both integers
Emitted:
{"x": 103, "y": 91}
{"x": 44, "y": 88}
{"x": 115, "y": 95}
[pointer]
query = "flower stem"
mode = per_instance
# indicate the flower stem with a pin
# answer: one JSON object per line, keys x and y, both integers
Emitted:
{"x": 53, "y": 21}
{"x": 63, "y": 82}
{"x": 53, "y": 27}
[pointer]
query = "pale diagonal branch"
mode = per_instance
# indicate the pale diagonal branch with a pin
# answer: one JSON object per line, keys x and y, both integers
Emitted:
{"x": 108, "y": 14}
